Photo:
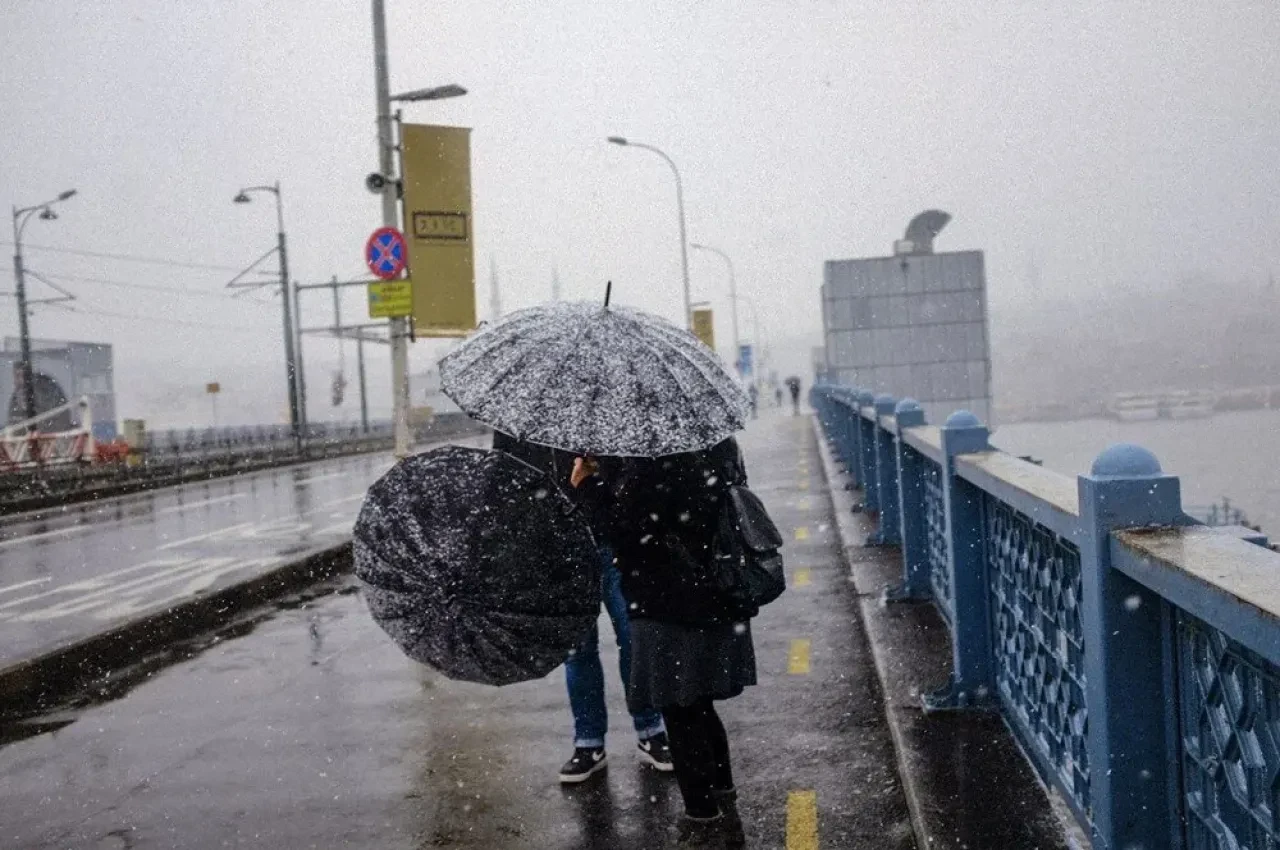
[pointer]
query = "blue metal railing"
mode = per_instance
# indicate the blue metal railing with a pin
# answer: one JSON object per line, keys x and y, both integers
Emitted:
{"x": 1134, "y": 652}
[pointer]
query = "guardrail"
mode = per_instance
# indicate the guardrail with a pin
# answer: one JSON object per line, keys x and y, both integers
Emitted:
{"x": 1134, "y": 652}
{"x": 170, "y": 457}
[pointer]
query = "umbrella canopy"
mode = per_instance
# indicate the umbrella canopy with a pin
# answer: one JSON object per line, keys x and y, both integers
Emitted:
{"x": 477, "y": 565}
{"x": 593, "y": 380}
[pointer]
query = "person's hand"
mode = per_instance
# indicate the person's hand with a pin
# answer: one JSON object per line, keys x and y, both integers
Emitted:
{"x": 583, "y": 468}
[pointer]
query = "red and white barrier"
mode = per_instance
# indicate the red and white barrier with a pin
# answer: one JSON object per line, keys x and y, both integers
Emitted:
{"x": 23, "y": 445}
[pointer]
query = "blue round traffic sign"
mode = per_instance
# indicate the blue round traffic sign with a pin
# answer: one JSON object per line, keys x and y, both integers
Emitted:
{"x": 385, "y": 253}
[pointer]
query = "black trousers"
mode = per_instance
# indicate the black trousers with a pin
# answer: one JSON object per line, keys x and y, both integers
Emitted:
{"x": 700, "y": 751}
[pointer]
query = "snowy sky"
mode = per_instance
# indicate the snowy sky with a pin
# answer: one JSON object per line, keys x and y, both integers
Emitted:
{"x": 1109, "y": 145}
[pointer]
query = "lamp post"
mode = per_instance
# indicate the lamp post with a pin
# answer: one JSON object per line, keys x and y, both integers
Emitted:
{"x": 296, "y": 415}
{"x": 398, "y": 327}
{"x": 733, "y": 297}
{"x": 684, "y": 250}
{"x": 21, "y": 216}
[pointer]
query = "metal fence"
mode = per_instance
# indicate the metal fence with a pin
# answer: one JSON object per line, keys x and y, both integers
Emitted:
{"x": 1134, "y": 652}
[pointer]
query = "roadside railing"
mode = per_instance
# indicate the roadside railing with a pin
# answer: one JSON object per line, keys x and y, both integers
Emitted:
{"x": 1134, "y": 652}
{"x": 167, "y": 457}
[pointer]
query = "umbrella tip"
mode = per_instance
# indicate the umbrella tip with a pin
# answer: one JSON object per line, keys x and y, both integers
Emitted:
{"x": 608, "y": 291}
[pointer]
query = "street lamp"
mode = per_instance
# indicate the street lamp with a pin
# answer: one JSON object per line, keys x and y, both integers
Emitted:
{"x": 733, "y": 297}
{"x": 398, "y": 326}
{"x": 684, "y": 251}
{"x": 433, "y": 93}
{"x": 297, "y": 414}
{"x": 20, "y": 218}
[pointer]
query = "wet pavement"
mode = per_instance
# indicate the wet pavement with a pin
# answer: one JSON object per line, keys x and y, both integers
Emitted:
{"x": 71, "y": 572}
{"x": 307, "y": 728}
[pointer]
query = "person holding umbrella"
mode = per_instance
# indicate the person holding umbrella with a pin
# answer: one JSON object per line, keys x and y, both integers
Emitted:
{"x": 649, "y": 411}
{"x": 584, "y": 674}
{"x": 691, "y": 640}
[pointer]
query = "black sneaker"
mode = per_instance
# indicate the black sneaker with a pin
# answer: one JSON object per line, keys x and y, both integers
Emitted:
{"x": 585, "y": 762}
{"x": 657, "y": 751}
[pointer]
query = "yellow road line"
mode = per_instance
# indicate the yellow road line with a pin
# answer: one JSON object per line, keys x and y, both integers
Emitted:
{"x": 798, "y": 657}
{"x": 802, "y": 532}
{"x": 803, "y": 485}
{"x": 802, "y": 820}
{"x": 805, "y": 503}
{"x": 802, "y": 577}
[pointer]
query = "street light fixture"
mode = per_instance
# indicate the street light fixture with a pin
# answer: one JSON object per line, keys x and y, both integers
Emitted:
{"x": 433, "y": 93}
{"x": 684, "y": 248}
{"x": 733, "y": 298}
{"x": 21, "y": 216}
{"x": 297, "y": 402}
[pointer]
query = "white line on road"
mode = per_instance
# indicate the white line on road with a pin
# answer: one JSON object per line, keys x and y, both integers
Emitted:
{"x": 41, "y": 535}
{"x": 197, "y": 538}
{"x": 27, "y": 583}
{"x": 215, "y": 501}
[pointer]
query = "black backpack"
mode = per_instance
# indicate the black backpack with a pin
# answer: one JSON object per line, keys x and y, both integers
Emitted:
{"x": 748, "y": 564}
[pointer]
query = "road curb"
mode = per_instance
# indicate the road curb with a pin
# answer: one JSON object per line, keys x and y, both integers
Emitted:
{"x": 42, "y": 682}
{"x": 1007, "y": 807}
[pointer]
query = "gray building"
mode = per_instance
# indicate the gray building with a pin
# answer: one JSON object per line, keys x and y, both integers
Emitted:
{"x": 913, "y": 324}
{"x": 64, "y": 371}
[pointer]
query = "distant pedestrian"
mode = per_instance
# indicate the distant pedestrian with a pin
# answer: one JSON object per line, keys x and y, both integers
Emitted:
{"x": 777, "y": 396}
{"x": 584, "y": 674}
{"x": 754, "y": 392}
{"x": 793, "y": 387}
{"x": 691, "y": 640}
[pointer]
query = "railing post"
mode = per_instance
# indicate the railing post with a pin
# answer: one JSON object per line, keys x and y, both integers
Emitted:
{"x": 913, "y": 528}
{"x": 1127, "y": 643}
{"x": 886, "y": 471}
{"x": 970, "y": 682}
{"x": 866, "y": 452}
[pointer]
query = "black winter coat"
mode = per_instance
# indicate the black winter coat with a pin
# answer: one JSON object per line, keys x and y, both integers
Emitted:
{"x": 558, "y": 465}
{"x": 662, "y": 517}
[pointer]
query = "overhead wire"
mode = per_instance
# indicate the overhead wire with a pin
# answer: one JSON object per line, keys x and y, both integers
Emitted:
{"x": 129, "y": 258}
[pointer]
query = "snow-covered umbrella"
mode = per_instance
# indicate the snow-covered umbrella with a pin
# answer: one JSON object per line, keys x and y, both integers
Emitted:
{"x": 596, "y": 380}
{"x": 477, "y": 565}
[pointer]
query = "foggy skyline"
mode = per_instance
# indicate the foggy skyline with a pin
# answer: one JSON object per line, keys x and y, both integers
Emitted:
{"x": 1111, "y": 146}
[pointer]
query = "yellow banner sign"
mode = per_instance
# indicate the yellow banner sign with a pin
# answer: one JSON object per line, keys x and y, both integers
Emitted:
{"x": 436, "y": 171}
{"x": 704, "y": 327}
{"x": 390, "y": 299}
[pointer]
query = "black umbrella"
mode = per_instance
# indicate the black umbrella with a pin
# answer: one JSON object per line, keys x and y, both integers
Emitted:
{"x": 596, "y": 380}
{"x": 477, "y": 565}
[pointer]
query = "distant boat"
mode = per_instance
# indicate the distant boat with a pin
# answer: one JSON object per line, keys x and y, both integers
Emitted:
{"x": 1190, "y": 404}
{"x": 1134, "y": 407}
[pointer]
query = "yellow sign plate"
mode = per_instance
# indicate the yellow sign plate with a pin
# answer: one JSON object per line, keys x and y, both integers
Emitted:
{"x": 439, "y": 228}
{"x": 704, "y": 326}
{"x": 390, "y": 299}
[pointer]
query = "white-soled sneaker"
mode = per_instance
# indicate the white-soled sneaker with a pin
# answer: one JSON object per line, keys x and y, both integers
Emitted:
{"x": 657, "y": 752}
{"x": 585, "y": 762}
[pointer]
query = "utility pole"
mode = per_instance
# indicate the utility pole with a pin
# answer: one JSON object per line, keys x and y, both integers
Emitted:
{"x": 20, "y": 218}
{"x": 297, "y": 416}
{"x": 555, "y": 284}
{"x": 361, "y": 333}
{"x": 390, "y": 218}
{"x": 495, "y": 292}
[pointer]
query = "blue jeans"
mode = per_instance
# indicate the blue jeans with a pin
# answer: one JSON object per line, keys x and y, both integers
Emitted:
{"x": 584, "y": 673}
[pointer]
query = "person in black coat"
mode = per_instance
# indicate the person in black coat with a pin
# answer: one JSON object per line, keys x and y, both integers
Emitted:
{"x": 690, "y": 641}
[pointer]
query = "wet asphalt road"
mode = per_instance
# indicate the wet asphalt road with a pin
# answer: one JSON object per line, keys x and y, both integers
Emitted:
{"x": 71, "y": 572}
{"x": 309, "y": 729}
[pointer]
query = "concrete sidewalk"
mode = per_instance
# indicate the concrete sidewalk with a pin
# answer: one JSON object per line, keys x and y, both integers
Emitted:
{"x": 307, "y": 728}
